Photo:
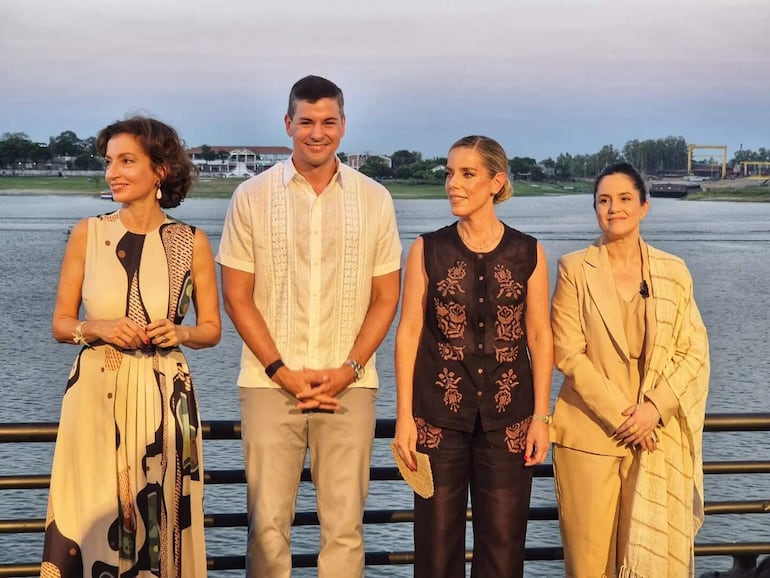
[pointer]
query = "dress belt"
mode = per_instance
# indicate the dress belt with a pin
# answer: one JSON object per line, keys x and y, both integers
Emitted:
{"x": 149, "y": 349}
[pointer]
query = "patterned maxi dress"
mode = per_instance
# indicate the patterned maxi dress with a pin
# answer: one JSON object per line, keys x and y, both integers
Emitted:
{"x": 126, "y": 495}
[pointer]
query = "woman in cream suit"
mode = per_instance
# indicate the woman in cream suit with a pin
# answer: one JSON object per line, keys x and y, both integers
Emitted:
{"x": 628, "y": 422}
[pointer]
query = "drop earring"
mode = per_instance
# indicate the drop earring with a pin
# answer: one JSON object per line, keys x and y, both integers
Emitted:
{"x": 159, "y": 193}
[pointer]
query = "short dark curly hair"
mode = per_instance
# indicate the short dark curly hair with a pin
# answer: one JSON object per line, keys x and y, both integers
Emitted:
{"x": 164, "y": 147}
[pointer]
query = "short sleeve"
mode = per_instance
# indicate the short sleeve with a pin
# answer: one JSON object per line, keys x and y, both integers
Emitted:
{"x": 236, "y": 249}
{"x": 388, "y": 257}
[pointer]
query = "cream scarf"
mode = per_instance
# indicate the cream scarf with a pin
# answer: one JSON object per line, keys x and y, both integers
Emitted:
{"x": 667, "y": 507}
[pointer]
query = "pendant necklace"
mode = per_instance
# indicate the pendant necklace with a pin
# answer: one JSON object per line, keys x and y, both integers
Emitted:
{"x": 481, "y": 248}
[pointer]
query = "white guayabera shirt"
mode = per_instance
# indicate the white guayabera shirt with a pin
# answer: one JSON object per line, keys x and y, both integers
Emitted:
{"x": 313, "y": 258}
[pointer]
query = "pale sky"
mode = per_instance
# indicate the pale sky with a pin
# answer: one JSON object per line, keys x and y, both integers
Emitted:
{"x": 540, "y": 76}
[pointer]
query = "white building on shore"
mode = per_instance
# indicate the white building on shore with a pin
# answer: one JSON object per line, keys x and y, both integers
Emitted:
{"x": 236, "y": 161}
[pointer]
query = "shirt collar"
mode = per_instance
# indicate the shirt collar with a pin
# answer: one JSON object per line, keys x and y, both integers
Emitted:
{"x": 290, "y": 171}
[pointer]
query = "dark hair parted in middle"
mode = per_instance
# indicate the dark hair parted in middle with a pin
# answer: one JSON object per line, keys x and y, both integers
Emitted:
{"x": 164, "y": 147}
{"x": 312, "y": 89}
{"x": 493, "y": 156}
{"x": 627, "y": 169}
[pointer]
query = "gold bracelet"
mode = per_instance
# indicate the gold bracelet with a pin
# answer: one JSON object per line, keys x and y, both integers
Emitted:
{"x": 546, "y": 419}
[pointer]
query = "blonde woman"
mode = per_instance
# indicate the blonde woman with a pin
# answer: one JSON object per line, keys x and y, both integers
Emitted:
{"x": 474, "y": 359}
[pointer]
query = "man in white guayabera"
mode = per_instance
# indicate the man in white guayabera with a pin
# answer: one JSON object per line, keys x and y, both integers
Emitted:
{"x": 310, "y": 258}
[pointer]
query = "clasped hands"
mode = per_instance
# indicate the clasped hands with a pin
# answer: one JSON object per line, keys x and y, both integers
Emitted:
{"x": 125, "y": 333}
{"x": 315, "y": 388}
{"x": 639, "y": 427}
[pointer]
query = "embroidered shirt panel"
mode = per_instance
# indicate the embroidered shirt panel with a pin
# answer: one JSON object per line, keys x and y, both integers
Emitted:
{"x": 472, "y": 355}
{"x": 313, "y": 257}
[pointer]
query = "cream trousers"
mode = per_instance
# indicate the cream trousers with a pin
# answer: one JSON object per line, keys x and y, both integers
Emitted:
{"x": 276, "y": 438}
{"x": 594, "y": 496}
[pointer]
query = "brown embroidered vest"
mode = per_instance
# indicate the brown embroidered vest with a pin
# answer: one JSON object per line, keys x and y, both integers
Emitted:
{"x": 472, "y": 358}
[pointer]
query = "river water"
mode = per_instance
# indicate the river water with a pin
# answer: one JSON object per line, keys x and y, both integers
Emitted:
{"x": 724, "y": 244}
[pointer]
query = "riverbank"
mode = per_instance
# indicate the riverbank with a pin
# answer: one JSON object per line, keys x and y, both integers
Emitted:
{"x": 223, "y": 188}
{"x": 747, "y": 195}
{"x": 739, "y": 190}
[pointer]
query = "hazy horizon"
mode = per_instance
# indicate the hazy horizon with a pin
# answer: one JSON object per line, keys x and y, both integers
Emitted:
{"x": 543, "y": 78}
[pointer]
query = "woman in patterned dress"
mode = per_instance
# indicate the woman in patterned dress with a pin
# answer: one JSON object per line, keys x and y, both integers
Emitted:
{"x": 126, "y": 494}
{"x": 474, "y": 359}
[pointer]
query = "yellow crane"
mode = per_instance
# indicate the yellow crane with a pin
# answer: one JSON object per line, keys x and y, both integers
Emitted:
{"x": 758, "y": 166}
{"x": 693, "y": 147}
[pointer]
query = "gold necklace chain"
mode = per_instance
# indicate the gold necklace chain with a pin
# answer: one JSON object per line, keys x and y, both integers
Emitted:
{"x": 481, "y": 248}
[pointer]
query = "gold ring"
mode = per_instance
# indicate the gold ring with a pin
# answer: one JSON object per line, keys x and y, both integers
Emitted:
{"x": 634, "y": 429}
{"x": 164, "y": 339}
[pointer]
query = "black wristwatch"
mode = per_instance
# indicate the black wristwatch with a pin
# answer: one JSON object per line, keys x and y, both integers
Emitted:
{"x": 271, "y": 369}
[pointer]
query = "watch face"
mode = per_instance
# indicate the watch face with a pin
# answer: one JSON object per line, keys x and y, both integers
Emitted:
{"x": 358, "y": 370}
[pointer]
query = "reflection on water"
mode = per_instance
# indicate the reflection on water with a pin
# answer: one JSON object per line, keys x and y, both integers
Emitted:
{"x": 725, "y": 246}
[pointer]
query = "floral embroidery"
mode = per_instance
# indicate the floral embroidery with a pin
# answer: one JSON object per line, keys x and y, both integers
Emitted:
{"x": 508, "y": 286}
{"x": 505, "y": 384}
{"x": 516, "y": 436}
{"x": 452, "y": 396}
{"x": 451, "y": 318}
{"x": 451, "y": 283}
{"x": 509, "y": 322}
{"x": 449, "y": 351}
{"x": 428, "y": 436}
{"x": 506, "y": 354}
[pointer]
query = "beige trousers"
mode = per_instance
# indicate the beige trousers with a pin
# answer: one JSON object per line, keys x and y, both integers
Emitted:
{"x": 594, "y": 496}
{"x": 276, "y": 438}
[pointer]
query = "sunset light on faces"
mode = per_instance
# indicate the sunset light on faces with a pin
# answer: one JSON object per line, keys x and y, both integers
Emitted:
{"x": 129, "y": 171}
{"x": 619, "y": 210}
{"x": 316, "y": 130}
{"x": 468, "y": 185}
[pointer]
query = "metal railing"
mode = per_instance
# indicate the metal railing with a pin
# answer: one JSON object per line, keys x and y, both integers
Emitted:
{"x": 744, "y": 554}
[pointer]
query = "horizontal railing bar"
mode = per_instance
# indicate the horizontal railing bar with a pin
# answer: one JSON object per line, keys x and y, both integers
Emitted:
{"x": 534, "y": 554}
{"x": 385, "y": 428}
{"x": 729, "y": 422}
{"x": 733, "y": 549}
{"x": 238, "y": 519}
{"x": 739, "y": 507}
{"x": 28, "y": 432}
{"x": 740, "y": 467}
{"x": 377, "y": 474}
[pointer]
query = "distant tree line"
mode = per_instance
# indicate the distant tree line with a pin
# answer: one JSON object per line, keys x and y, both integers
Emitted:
{"x": 18, "y": 151}
{"x": 652, "y": 157}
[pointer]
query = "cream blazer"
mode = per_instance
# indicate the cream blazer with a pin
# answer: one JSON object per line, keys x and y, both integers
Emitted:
{"x": 591, "y": 350}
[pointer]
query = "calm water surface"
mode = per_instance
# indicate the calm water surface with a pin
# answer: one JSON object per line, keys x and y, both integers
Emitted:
{"x": 725, "y": 246}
